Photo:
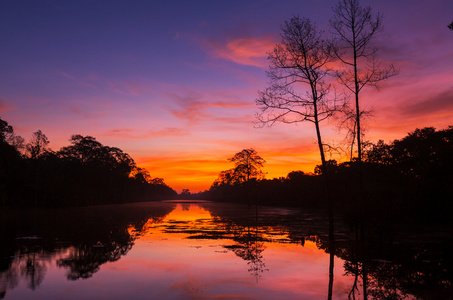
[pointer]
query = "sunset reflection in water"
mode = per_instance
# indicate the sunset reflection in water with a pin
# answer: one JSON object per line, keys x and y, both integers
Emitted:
{"x": 177, "y": 250}
{"x": 191, "y": 254}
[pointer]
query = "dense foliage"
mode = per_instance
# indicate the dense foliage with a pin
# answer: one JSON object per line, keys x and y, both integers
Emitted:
{"x": 410, "y": 177}
{"x": 83, "y": 173}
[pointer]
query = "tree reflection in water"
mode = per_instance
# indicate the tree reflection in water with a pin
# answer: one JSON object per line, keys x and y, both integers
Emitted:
{"x": 249, "y": 247}
{"x": 80, "y": 239}
{"x": 407, "y": 269}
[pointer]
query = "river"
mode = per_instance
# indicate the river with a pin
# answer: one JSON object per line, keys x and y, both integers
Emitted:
{"x": 204, "y": 250}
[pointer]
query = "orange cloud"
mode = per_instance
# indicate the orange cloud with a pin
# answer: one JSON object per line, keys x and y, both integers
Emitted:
{"x": 244, "y": 51}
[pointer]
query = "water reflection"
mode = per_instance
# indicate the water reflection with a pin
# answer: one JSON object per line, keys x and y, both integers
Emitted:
{"x": 180, "y": 250}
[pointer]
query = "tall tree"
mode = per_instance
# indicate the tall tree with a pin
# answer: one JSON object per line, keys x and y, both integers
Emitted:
{"x": 298, "y": 89}
{"x": 355, "y": 26}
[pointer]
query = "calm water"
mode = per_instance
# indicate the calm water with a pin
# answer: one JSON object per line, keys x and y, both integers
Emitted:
{"x": 202, "y": 250}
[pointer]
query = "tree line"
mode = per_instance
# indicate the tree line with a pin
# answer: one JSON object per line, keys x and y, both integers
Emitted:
{"x": 407, "y": 178}
{"x": 84, "y": 173}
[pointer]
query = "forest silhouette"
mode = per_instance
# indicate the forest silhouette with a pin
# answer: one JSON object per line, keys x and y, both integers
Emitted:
{"x": 407, "y": 178}
{"x": 83, "y": 173}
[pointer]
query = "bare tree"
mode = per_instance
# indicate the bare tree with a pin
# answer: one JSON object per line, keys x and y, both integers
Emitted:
{"x": 355, "y": 26}
{"x": 298, "y": 89}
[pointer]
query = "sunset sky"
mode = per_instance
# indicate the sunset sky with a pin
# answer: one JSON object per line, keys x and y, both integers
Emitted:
{"x": 174, "y": 83}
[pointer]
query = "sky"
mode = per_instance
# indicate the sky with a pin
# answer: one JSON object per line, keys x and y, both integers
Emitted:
{"x": 174, "y": 83}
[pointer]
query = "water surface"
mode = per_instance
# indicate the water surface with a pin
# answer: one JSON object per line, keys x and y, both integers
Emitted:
{"x": 195, "y": 250}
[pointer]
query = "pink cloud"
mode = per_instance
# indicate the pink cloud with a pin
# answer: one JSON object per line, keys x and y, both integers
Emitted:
{"x": 193, "y": 106}
{"x": 244, "y": 51}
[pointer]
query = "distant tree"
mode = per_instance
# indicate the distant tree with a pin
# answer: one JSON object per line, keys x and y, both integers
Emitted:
{"x": 451, "y": 26}
{"x": 227, "y": 177}
{"x": 84, "y": 149}
{"x": 331, "y": 167}
{"x": 298, "y": 89}
{"x": 295, "y": 175}
{"x": 141, "y": 175}
{"x": 38, "y": 145}
{"x": 88, "y": 151}
{"x": 185, "y": 193}
{"x": 157, "y": 181}
{"x": 247, "y": 165}
{"x": 355, "y": 27}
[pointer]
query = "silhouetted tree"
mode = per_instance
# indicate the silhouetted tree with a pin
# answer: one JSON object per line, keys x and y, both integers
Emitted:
{"x": 141, "y": 175}
{"x": 295, "y": 175}
{"x": 330, "y": 166}
{"x": 38, "y": 145}
{"x": 185, "y": 193}
{"x": 424, "y": 153}
{"x": 227, "y": 177}
{"x": 89, "y": 152}
{"x": 247, "y": 165}
{"x": 379, "y": 153}
{"x": 298, "y": 90}
{"x": 8, "y": 136}
{"x": 451, "y": 26}
{"x": 11, "y": 166}
{"x": 355, "y": 27}
{"x": 5, "y": 130}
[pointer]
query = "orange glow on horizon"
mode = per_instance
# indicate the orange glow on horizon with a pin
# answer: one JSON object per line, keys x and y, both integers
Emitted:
{"x": 192, "y": 212}
{"x": 198, "y": 174}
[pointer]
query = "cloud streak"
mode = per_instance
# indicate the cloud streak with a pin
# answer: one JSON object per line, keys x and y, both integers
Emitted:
{"x": 194, "y": 106}
{"x": 129, "y": 133}
{"x": 440, "y": 103}
{"x": 78, "y": 81}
